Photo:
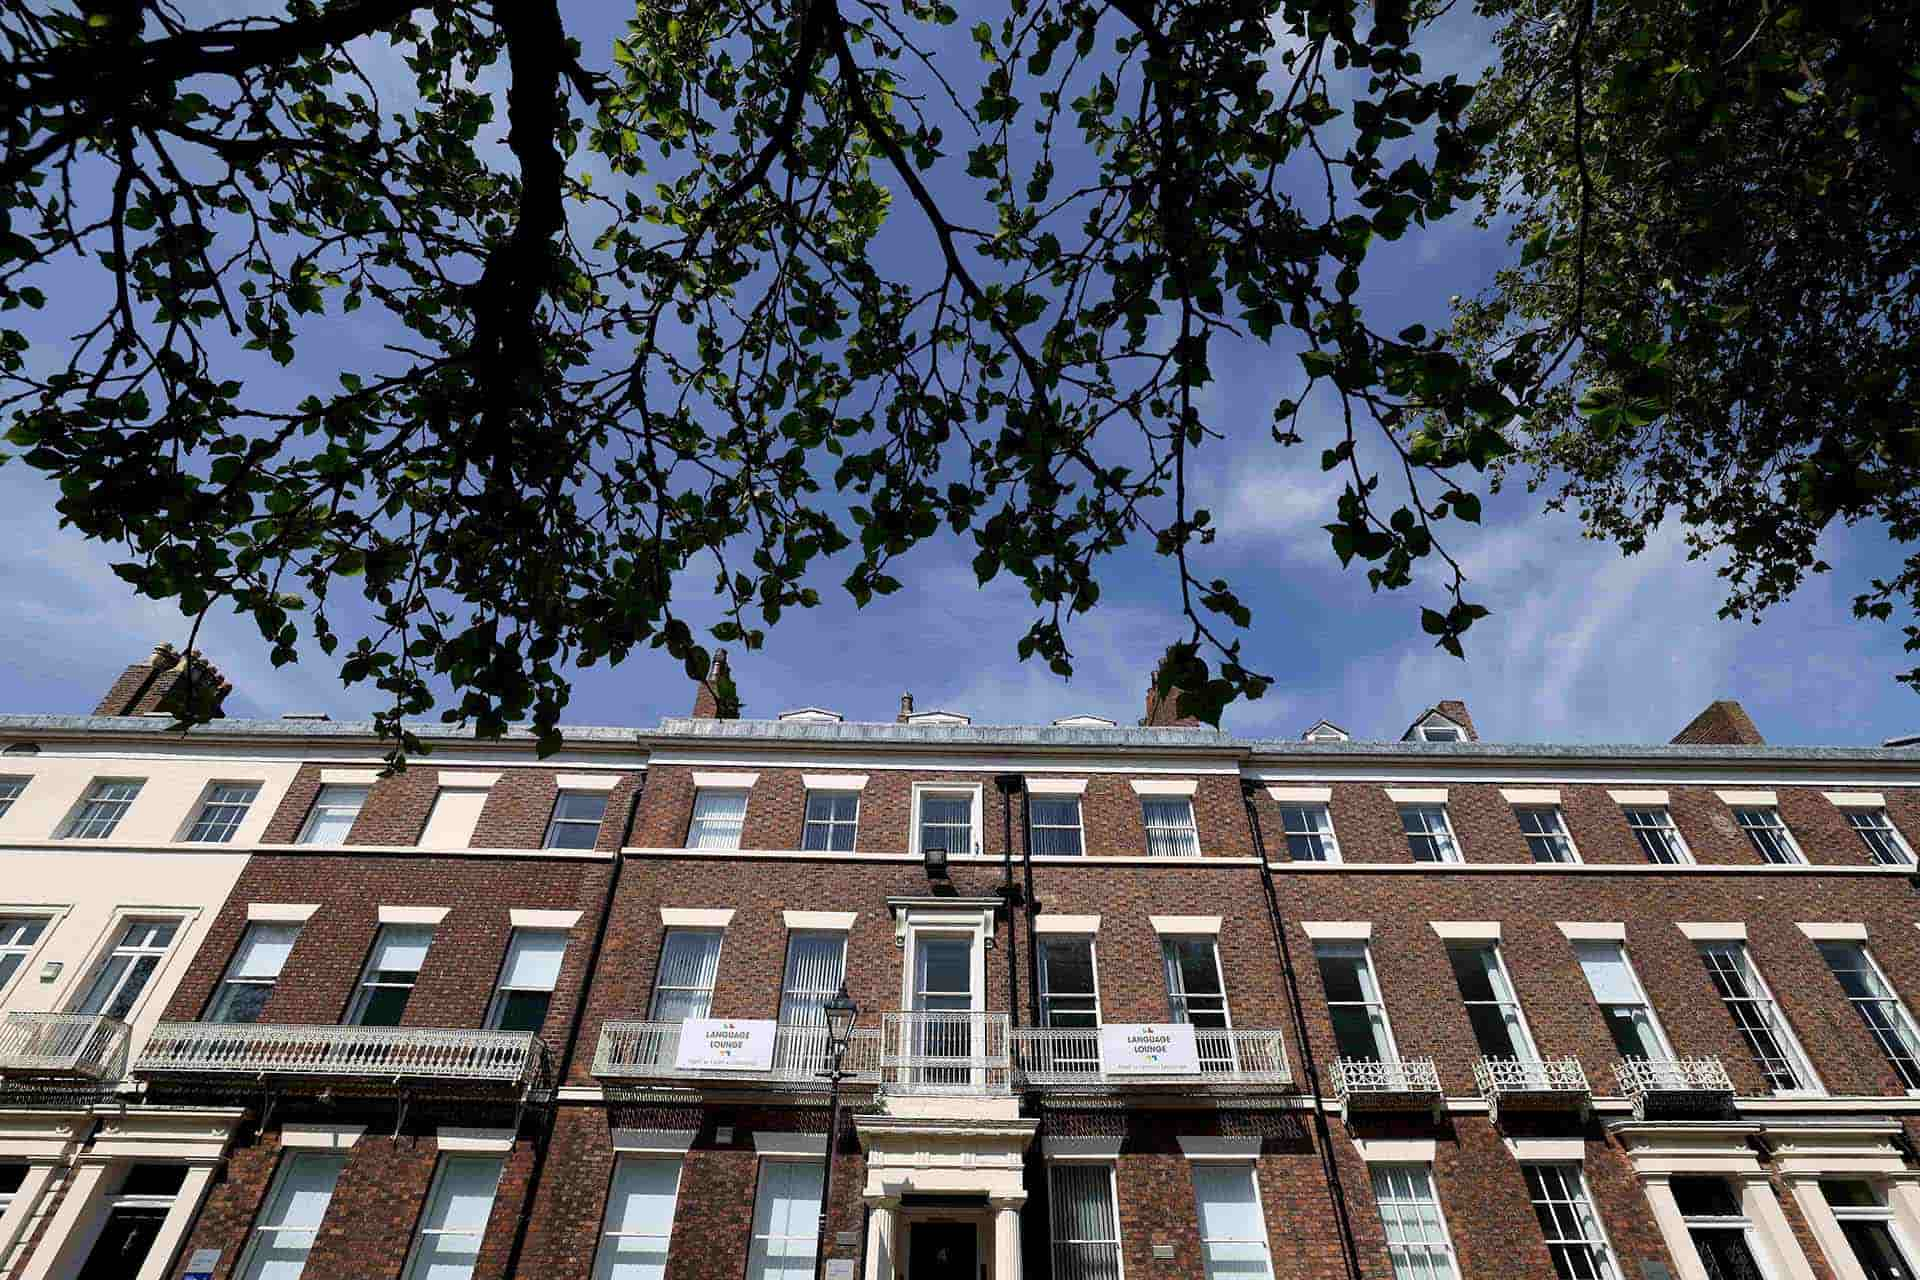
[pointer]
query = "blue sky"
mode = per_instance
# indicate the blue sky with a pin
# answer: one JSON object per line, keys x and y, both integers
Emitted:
{"x": 1583, "y": 644}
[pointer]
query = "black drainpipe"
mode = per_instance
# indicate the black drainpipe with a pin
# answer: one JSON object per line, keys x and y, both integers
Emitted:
{"x": 1328, "y": 1164}
{"x": 1006, "y": 784}
{"x": 1033, "y": 905}
{"x": 573, "y": 1038}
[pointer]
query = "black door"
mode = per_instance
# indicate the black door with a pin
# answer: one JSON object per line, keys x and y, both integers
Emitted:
{"x": 942, "y": 1251}
{"x": 1874, "y": 1247}
{"x": 123, "y": 1244}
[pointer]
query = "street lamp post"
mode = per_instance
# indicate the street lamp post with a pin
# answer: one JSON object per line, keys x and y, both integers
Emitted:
{"x": 842, "y": 1013}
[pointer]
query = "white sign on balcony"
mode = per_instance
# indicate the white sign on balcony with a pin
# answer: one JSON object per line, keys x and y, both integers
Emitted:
{"x": 725, "y": 1044}
{"x": 1149, "y": 1049}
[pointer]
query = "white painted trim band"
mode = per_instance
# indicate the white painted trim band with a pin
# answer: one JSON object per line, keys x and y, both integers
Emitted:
{"x": 1417, "y": 795}
{"x": 828, "y": 921}
{"x": 320, "y": 1137}
{"x": 1833, "y": 931}
{"x": 413, "y": 915}
{"x": 1396, "y": 1150}
{"x": 466, "y": 780}
{"x": 1651, "y": 799}
{"x": 1056, "y": 786}
{"x": 654, "y": 1141}
{"x": 586, "y": 781}
{"x": 834, "y": 781}
{"x": 1467, "y": 930}
{"x": 349, "y": 777}
{"x": 1533, "y": 795}
{"x": 1302, "y": 795}
{"x": 1337, "y": 930}
{"x": 524, "y": 918}
{"x": 1593, "y": 930}
{"x": 1713, "y": 931}
{"x": 1211, "y": 1148}
{"x": 281, "y": 912}
{"x": 461, "y": 1138}
{"x": 1748, "y": 799}
{"x": 1185, "y": 924}
{"x": 790, "y": 1144}
{"x": 1107, "y": 1148}
{"x": 696, "y": 917}
{"x": 725, "y": 781}
{"x": 1164, "y": 786}
{"x": 1539, "y": 1150}
{"x": 1856, "y": 799}
{"x": 1066, "y": 924}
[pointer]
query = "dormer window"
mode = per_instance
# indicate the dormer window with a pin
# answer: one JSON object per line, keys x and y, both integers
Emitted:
{"x": 811, "y": 715}
{"x": 1326, "y": 731}
{"x": 1441, "y": 733}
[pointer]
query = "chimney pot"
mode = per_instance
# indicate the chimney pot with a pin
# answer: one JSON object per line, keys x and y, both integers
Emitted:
{"x": 906, "y": 709}
{"x": 715, "y": 698}
{"x": 163, "y": 684}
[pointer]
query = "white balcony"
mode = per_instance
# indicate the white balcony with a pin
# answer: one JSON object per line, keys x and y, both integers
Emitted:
{"x": 397, "y": 1055}
{"x": 1532, "y": 1084}
{"x": 946, "y": 1053}
{"x": 649, "y": 1051}
{"x": 1069, "y": 1058}
{"x": 1664, "y": 1087}
{"x": 67, "y": 1048}
{"x": 1366, "y": 1085}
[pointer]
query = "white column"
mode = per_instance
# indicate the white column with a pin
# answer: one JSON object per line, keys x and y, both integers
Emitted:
{"x": 1006, "y": 1236}
{"x": 26, "y": 1200}
{"x": 880, "y": 1240}
{"x": 1825, "y": 1227}
{"x": 1673, "y": 1230}
{"x": 1763, "y": 1208}
{"x": 173, "y": 1229}
{"x": 1903, "y": 1197}
{"x": 74, "y": 1226}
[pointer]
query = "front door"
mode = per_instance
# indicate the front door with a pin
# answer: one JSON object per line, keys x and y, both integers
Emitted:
{"x": 943, "y": 1002}
{"x": 942, "y": 1251}
{"x": 123, "y": 1245}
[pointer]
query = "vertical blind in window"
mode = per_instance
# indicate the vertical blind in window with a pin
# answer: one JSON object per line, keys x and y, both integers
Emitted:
{"x": 639, "y": 1226}
{"x": 786, "y": 1220}
{"x": 456, "y": 1218}
{"x": 1233, "y": 1231}
{"x": 290, "y": 1223}
{"x": 718, "y": 817}
{"x": 1086, "y": 1230}
{"x": 689, "y": 962}
{"x": 946, "y": 822}
{"x": 816, "y": 965}
{"x": 1056, "y": 825}
{"x": 1170, "y": 829}
{"x": 256, "y": 967}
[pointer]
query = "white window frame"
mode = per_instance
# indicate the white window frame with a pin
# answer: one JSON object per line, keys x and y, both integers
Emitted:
{"x": 1423, "y": 1170}
{"x": 1448, "y": 732}
{"x": 320, "y": 805}
{"x": 555, "y": 822}
{"x": 82, "y": 812}
{"x": 1528, "y": 1048}
{"x": 1167, "y": 832}
{"x": 1264, "y": 1241}
{"x": 261, "y": 1228}
{"x": 1581, "y": 1205}
{"x": 1757, "y": 1249}
{"x": 103, "y": 956}
{"x": 1450, "y": 850}
{"x": 1364, "y": 950}
{"x": 1308, "y": 811}
{"x": 1763, "y": 999}
{"x": 417, "y": 1253}
{"x": 1766, "y": 818}
{"x": 719, "y": 954}
{"x": 364, "y": 986}
{"x": 230, "y": 978}
{"x": 1056, "y": 1244}
{"x": 225, "y": 831}
{"x": 1669, "y": 830}
{"x": 698, "y": 826}
{"x": 754, "y": 1236}
{"x": 24, "y": 950}
{"x": 972, "y": 791}
{"x": 1646, "y": 1001}
{"x": 1896, "y": 1009}
{"x": 1562, "y": 834}
{"x": 1863, "y": 821}
{"x": 497, "y": 1006}
{"x": 1882, "y": 1213}
{"x": 830, "y": 824}
{"x": 1093, "y": 960}
{"x": 605, "y": 1254}
{"x": 1078, "y": 826}
{"x": 12, "y": 787}
{"x": 1178, "y": 1003}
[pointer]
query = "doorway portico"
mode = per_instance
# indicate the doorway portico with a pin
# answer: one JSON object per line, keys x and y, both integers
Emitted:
{"x": 944, "y": 1194}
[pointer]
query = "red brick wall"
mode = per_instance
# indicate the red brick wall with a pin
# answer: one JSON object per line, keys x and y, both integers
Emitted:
{"x": 515, "y": 816}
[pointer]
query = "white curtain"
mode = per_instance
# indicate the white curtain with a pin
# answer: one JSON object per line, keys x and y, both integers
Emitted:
{"x": 291, "y": 1222}
{"x": 786, "y": 1220}
{"x": 264, "y": 951}
{"x": 533, "y": 959}
{"x": 639, "y": 1223}
{"x": 718, "y": 817}
{"x": 456, "y": 1218}
{"x": 1233, "y": 1231}
{"x": 688, "y": 964}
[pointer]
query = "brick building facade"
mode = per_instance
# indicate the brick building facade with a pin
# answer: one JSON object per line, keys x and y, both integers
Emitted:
{"x": 1136, "y": 1002}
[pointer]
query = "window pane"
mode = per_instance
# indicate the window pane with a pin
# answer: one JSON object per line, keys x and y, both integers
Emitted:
{"x": 1170, "y": 829}
{"x": 718, "y": 818}
{"x": 291, "y": 1220}
{"x": 639, "y": 1220}
{"x": 533, "y": 959}
{"x": 333, "y": 815}
{"x": 263, "y": 951}
{"x": 786, "y": 1216}
{"x": 1233, "y": 1232}
{"x": 456, "y": 1218}
{"x": 689, "y": 962}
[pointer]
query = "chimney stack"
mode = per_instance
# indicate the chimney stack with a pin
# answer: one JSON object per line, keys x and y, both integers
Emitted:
{"x": 715, "y": 698}
{"x": 1165, "y": 710}
{"x": 906, "y": 709}
{"x": 168, "y": 681}
{"x": 1725, "y": 723}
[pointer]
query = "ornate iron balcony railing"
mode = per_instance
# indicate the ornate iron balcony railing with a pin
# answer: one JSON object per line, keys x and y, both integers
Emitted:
{"x": 344, "y": 1053}
{"x": 86, "y": 1048}
{"x": 648, "y": 1050}
{"x": 1070, "y": 1057}
{"x": 1531, "y": 1083}
{"x": 1670, "y": 1085}
{"x": 927, "y": 1052}
{"x": 1375, "y": 1085}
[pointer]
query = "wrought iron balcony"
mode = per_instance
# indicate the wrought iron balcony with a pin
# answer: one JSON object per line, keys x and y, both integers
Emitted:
{"x": 398, "y": 1055}
{"x": 1533, "y": 1084}
{"x": 1367, "y": 1084}
{"x": 946, "y": 1053}
{"x": 69, "y": 1048}
{"x": 1666, "y": 1087}
{"x": 649, "y": 1051}
{"x": 1069, "y": 1058}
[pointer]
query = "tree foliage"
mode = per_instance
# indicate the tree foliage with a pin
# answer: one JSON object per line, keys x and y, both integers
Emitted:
{"x": 1715, "y": 211}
